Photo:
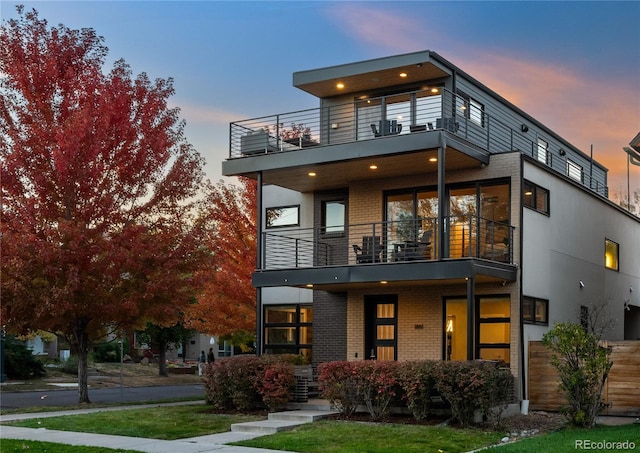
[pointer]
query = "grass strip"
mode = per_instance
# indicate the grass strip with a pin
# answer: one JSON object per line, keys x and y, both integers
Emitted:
{"x": 166, "y": 423}
{"x": 20, "y": 446}
{"x": 336, "y": 436}
{"x": 600, "y": 438}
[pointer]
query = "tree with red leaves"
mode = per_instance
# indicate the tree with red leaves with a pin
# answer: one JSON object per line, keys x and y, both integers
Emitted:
{"x": 98, "y": 227}
{"x": 227, "y": 306}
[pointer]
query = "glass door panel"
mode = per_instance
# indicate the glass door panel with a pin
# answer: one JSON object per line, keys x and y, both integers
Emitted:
{"x": 399, "y": 114}
{"x": 455, "y": 329}
{"x": 462, "y": 213}
{"x": 495, "y": 240}
{"x": 428, "y": 215}
{"x": 399, "y": 215}
{"x": 369, "y": 116}
{"x": 428, "y": 107}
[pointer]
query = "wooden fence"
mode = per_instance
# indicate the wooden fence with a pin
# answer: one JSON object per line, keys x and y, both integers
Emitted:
{"x": 621, "y": 391}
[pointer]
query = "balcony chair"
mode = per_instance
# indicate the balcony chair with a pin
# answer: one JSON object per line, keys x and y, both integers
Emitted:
{"x": 418, "y": 250}
{"x": 386, "y": 127}
{"x": 370, "y": 250}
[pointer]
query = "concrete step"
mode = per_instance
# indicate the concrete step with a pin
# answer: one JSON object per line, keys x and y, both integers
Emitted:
{"x": 312, "y": 405}
{"x": 301, "y": 416}
{"x": 264, "y": 426}
{"x": 280, "y": 421}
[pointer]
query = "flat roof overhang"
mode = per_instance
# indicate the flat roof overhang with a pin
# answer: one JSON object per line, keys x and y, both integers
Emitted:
{"x": 337, "y": 165}
{"x": 341, "y": 278}
{"x": 371, "y": 75}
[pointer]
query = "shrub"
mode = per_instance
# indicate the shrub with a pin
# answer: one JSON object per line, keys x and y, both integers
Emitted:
{"x": 249, "y": 382}
{"x": 471, "y": 386}
{"x": 276, "y": 384}
{"x": 418, "y": 381}
{"x": 377, "y": 384}
{"x": 109, "y": 351}
{"x": 338, "y": 384}
{"x": 583, "y": 366}
{"x": 20, "y": 362}
{"x": 70, "y": 366}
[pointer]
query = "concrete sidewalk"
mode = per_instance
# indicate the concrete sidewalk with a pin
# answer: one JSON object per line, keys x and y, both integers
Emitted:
{"x": 210, "y": 443}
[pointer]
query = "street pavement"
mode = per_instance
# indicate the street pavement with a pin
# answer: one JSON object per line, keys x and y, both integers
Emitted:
{"x": 112, "y": 395}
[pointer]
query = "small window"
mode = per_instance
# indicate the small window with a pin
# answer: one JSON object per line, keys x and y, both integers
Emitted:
{"x": 584, "y": 317}
{"x": 574, "y": 171}
{"x": 543, "y": 146}
{"x": 535, "y": 197}
{"x": 611, "y": 254}
{"x": 283, "y": 216}
{"x": 333, "y": 215}
{"x": 535, "y": 311}
{"x": 470, "y": 109}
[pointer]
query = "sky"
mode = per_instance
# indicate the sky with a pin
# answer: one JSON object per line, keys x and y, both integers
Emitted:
{"x": 572, "y": 65}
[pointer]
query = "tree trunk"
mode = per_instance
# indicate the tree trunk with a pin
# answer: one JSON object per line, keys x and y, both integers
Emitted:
{"x": 162, "y": 358}
{"x": 82, "y": 341}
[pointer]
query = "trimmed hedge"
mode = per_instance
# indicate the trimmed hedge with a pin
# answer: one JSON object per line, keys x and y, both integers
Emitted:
{"x": 466, "y": 386}
{"x": 249, "y": 382}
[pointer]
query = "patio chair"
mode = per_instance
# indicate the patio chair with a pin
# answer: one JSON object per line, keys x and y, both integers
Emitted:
{"x": 370, "y": 250}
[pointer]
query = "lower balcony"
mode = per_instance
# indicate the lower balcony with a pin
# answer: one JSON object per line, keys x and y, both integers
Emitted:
{"x": 295, "y": 256}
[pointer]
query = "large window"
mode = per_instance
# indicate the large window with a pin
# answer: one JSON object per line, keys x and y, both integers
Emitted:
{"x": 535, "y": 197}
{"x": 611, "y": 255}
{"x": 288, "y": 329}
{"x": 283, "y": 216}
{"x": 493, "y": 328}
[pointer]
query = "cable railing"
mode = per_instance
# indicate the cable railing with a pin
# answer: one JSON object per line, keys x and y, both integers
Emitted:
{"x": 397, "y": 115}
{"x": 387, "y": 242}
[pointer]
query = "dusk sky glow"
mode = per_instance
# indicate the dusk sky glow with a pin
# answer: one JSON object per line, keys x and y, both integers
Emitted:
{"x": 574, "y": 66}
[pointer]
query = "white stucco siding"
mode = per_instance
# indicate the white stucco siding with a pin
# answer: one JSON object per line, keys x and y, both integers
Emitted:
{"x": 568, "y": 246}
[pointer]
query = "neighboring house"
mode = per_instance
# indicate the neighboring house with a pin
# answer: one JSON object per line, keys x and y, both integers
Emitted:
{"x": 417, "y": 214}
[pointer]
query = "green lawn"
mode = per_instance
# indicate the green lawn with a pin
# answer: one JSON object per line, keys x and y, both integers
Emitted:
{"x": 325, "y": 436}
{"x": 334, "y": 436}
{"x": 167, "y": 423}
{"x": 574, "y": 439}
{"x": 22, "y": 446}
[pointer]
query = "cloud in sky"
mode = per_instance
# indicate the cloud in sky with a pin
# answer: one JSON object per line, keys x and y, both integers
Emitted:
{"x": 573, "y": 101}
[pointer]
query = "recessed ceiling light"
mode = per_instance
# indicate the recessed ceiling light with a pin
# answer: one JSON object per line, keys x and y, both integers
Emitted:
{"x": 309, "y": 285}
{"x": 340, "y": 86}
{"x": 433, "y": 159}
{"x": 435, "y": 90}
{"x": 403, "y": 74}
{"x": 373, "y": 167}
{"x": 312, "y": 173}
{"x": 383, "y": 282}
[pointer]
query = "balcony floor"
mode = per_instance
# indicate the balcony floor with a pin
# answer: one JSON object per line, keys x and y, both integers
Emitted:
{"x": 341, "y": 278}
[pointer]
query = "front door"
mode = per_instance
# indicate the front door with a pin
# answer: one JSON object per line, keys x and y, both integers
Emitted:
{"x": 381, "y": 327}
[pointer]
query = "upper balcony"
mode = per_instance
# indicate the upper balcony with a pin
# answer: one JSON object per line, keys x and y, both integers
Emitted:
{"x": 304, "y": 137}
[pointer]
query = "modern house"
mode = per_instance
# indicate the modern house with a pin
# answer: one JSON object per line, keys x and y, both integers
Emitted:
{"x": 417, "y": 214}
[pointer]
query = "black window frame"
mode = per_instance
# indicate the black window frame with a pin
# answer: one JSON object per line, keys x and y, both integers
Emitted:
{"x": 292, "y": 348}
{"x": 536, "y": 191}
{"x": 468, "y": 104}
{"x": 287, "y": 225}
{"x": 328, "y": 230}
{"x": 617, "y": 257}
{"x": 530, "y": 316}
